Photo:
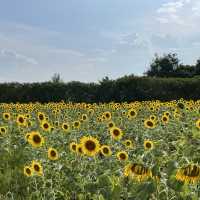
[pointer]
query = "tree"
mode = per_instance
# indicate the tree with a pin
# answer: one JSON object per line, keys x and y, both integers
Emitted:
{"x": 197, "y": 67}
{"x": 56, "y": 78}
{"x": 163, "y": 66}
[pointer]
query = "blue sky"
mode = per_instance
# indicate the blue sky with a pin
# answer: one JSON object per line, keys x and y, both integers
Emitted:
{"x": 86, "y": 40}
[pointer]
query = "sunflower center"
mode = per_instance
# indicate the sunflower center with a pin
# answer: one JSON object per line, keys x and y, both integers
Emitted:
{"x": 90, "y": 145}
{"x": 165, "y": 119}
{"x": 76, "y": 124}
{"x": 28, "y": 171}
{"x": 46, "y": 126}
{"x": 105, "y": 150}
{"x": 122, "y": 156}
{"x": 53, "y": 153}
{"x": 36, "y": 168}
{"x": 116, "y": 132}
{"x": 21, "y": 119}
{"x": 3, "y": 130}
{"x": 36, "y": 138}
{"x": 74, "y": 147}
{"x": 149, "y": 123}
{"x": 148, "y": 145}
{"x": 41, "y": 117}
{"x": 65, "y": 126}
{"x": 132, "y": 113}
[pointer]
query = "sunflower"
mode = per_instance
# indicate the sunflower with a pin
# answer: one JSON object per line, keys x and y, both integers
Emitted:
{"x": 84, "y": 117}
{"x": 148, "y": 123}
{"x": 73, "y": 146}
{"x": 21, "y": 120}
{"x": 189, "y": 174}
{"x": 137, "y": 172}
{"x": 79, "y": 149}
{"x": 128, "y": 144}
{"x": 3, "y": 130}
{"x": 148, "y": 145}
{"x": 37, "y": 167}
{"x": 6, "y": 116}
{"x": 27, "y": 136}
{"x": 65, "y": 127}
{"x": 107, "y": 115}
{"x": 45, "y": 126}
{"x": 198, "y": 124}
{"x": 122, "y": 155}
{"x": 165, "y": 119}
{"x": 116, "y": 133}
{"x": 41, "y": 116}
{"x": 76, "y": 124}
{"x": 28, "y": 171}
{"x": 90, "y": 145}
{"x": 132, "y": 113}
{"x": 105, "y": 150}
{"x": 111, "y": 124}
{"x": 35, "y": 139}
{"x": 52, "y": 154}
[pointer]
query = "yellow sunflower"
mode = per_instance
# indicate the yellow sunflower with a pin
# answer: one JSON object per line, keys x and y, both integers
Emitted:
{"x": 148, "y": 145}
{"x": 90, "y": 145}
{"x": 45, "y": 126}
{"x": 35, "y": 139}
{"x": 198, "y": 124}
{"x": 73, "y": 146}
{"x": 165, "y": 119}
{"x": 6, "y": 116}
{"x": 189, "y": 174}
{"x": 122, "y": 155}
{"x": 132, "y": 113}
{"x": 128, "y": 144}
{"x": 137, "y": 172}
{"x": 37, "y": 168}
{"x": 3, "y": 130}
{"x": 21, "y": 120}
{"x": 79, "y": 149}
{"x": 28, "y": 171}
{"x": 116, "y": 133}
{"x": 76, "y": 124}
{"x": 41, "y": 116}
{"x": 65, "y": 127}
{"x": 105, "y": 150}
{"x": 52, "y": 154}
{"x": 148, "y": 123}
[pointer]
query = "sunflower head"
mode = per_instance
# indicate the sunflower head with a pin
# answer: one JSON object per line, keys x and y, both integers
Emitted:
{"x": 35, "y": 139}
{"x": 45, "y": 126}
{"x": 52, "y": 154}
{"x": 128, "y": 144}
{"x": 122, "y": 156}
{"x": 73, "y": 146}
{"x": 90, "y": 145}
{"x": 116, "y": 133}
{"x": 105, "y": 150}
{"x": 148, "y": 123}
{"x": 65, "y": 127}
{"x": 28, "y": 171}
{"x": 189, "y": 174}
{"x": 148, "y": 145}
{"x": 198, "y": 124}
{"x": 37, "y": 168}
{"x": 6, "y": 116}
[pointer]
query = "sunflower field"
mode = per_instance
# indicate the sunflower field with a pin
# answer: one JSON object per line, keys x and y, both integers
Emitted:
{"x": 108, "y": 151}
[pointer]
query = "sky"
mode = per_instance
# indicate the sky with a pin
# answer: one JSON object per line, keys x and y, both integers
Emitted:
{"x": 86, "y": 40}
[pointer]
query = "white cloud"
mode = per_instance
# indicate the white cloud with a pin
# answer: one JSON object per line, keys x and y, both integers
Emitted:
{"x": 10, "y": 54}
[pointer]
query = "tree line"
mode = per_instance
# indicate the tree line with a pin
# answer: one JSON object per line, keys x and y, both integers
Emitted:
{"x": 165, "y": 80}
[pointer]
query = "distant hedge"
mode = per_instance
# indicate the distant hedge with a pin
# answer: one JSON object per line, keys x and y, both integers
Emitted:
{"x": 127, "y": 88}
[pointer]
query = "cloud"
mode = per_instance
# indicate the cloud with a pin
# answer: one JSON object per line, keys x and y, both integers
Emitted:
{"x": 10, "y": 54}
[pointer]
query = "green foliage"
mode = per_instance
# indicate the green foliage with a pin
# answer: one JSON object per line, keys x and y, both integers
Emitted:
{"x": 127, "y": 88}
